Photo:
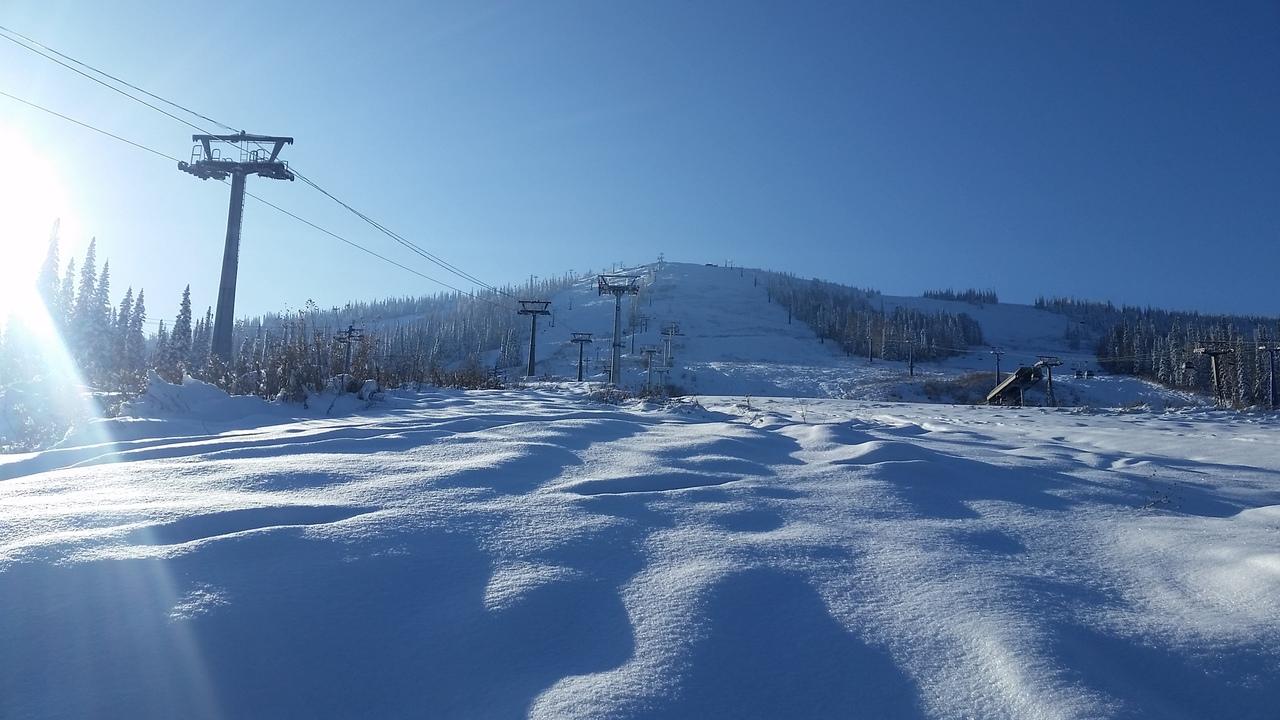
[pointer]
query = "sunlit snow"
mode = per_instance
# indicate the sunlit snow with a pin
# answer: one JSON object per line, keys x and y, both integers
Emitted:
{"x": 535, "y": 552}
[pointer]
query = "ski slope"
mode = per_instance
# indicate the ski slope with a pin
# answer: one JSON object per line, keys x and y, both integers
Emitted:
{"x": 735, "y": 342}
{"x": 503, "y": 554}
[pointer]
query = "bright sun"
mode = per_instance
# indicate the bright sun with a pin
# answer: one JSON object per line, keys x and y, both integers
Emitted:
{"x": 31, "y": 200}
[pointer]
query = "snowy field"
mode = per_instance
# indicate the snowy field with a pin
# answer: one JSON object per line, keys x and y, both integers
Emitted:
{"x": 505, "y": 554}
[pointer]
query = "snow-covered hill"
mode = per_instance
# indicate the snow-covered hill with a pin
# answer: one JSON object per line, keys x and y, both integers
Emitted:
{"x": 502, "y": 554}
{"x": 735, "y": 342}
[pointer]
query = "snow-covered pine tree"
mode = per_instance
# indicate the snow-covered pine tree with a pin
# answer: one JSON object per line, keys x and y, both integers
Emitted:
{"x": 67, "y": 299}
{"x": 1160, "y": 359}
{"x": 120, "y": 340}
{"x": 48, "y": 283}
{"x": 200, "y": 341}
{"x": 180, "y": 340}
{"x": 1259, "y": 374}
{"x": 84, "y": 313}
{"x": 135, "y": 347}
{"x": 1241, "y": 390}
{"x": 160, "y": 353}
{"x": 99, "y": 366}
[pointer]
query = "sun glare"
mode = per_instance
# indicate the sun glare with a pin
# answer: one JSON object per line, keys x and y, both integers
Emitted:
{"x": 31, "y": 201}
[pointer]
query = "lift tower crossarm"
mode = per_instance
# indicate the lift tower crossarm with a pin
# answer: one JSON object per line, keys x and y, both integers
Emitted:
{"x": 209, "y": 166}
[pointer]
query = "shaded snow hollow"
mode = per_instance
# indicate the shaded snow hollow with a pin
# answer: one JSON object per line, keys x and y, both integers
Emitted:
{"x": 502, "y": 554}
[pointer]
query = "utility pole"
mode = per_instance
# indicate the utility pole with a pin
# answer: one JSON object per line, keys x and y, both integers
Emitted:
{"x": 533, "y": 308}
{"x": 999, "y": 354}
{"x": 208, "y": 162}
{"x": 1049, "y": 362}
{"x": 617, "y": 286}
{"x": 1214, "y": 349}
{"x": 1271, "y": 349}
{"x": 581, "y": 338}
{"x": 349, "y": 337}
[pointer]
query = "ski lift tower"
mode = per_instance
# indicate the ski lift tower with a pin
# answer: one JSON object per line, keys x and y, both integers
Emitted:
{"x": 669, "y": 334}
{"x": 533, "y": 308}
{"x": 1049, "y": 362}
{"x": 617, "y": 286}
{"x": 209, "y": 162}
{"x": 580, "y": 338}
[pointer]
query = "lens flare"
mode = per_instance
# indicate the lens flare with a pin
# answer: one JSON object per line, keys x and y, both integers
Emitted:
{"x": 32, "y": 199}
{"x": 40, "y": 377}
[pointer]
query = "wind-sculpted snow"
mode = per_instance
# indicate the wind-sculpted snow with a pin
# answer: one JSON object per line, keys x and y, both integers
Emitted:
{"x": 506, "y": 554}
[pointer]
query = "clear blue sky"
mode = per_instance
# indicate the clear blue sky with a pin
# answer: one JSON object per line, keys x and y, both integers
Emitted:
{"x": 1128, "y": 151}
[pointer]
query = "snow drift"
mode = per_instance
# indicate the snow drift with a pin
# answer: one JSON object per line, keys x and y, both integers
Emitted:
{"x": 502, "y": 554}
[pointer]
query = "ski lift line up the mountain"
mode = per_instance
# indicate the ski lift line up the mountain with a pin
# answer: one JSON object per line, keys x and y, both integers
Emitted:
{"x": 63, "y": 60}
{"x": 49, "y": 53}
{"x": 258, "y": 198}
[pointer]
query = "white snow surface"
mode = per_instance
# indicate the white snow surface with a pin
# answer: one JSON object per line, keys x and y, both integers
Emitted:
{"x": 532, "y": 553}
{"x": 734, "y": 341}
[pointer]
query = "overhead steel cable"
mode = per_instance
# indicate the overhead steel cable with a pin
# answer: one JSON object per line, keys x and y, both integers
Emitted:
{"x": 268, "y": 203}
{"x": 336, "y": 236}
{"x": 87, "y": 126}
{"x": 49, "y": 53}
{"x": 103, "y": 73}
{"x": 413, "y": 247}
{"x": 100, "y": 81}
